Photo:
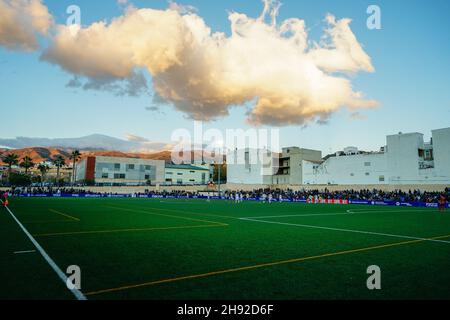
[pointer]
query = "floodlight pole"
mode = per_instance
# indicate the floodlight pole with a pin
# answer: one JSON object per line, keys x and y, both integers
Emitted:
{"x": 219, "y": 178}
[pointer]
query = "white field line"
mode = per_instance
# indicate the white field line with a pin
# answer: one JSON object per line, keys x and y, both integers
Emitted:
{"x": 389, "y": 211}
{"x": 77, "y": 293}
{"x": 346, "y": 230}
{"x": 25, "y": 251}
{"x": 347, "y": 212}
{"x": 301, "y": 215}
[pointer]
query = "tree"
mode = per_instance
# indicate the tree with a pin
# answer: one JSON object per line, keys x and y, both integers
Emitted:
{"x": 11, "y": 160}
{"x": 19, "y": 179}
{"x": 43, "y": 168}
{"x": 74, "y": 156}
{"x": 27, "y": 163}
{"x": 59, "y": 162}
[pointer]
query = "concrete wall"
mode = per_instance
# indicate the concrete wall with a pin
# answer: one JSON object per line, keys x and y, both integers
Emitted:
{"x": 357, "y": 169}
{"x": 250, "y": 166}
{"x": 441, "y": 151}
{"x": 403, "y": 157}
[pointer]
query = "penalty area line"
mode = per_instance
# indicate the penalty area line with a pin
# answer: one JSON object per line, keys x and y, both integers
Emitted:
{"x": 77, "y": 293}
{"x": 346, "y": 230}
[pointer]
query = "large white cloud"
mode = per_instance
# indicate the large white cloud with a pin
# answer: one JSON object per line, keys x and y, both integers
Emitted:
{"x": 20, "y": 21}
{"x": 271, "y": 65}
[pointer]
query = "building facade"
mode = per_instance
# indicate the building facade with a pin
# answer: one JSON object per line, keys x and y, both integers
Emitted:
{"x": 253, "y": 166}
{"x": 406, "y": 159}
{"x": 120, "y": 171}
{"x": 187, "y": 174}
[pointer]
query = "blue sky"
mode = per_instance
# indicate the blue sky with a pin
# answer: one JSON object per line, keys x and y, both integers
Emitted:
{"x": 411, "y": 83}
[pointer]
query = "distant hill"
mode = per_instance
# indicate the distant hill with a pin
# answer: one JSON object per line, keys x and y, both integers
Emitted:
{"x": 41, "y": 154}
{"x": 91, "y": 142}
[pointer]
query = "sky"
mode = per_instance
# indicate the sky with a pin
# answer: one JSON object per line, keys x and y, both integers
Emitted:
{"x": 409, "y": 81}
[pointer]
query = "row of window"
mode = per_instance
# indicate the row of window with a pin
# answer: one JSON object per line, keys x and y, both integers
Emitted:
{"x": 121, "y": 176}
{"x": 117, "y": 167}
{"x": 179, "y": 173}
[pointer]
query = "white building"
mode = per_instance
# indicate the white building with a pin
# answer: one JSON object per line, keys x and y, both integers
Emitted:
{"x": 406, "y": 159}
{"x": 252, "y": 166}
{"x": 187, "y": 174}
{"x": 120, "y": 171}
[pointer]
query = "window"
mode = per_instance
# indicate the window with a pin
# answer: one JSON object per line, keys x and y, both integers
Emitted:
{"x": 381, "y": 178}
{"x": 105, "y": 176}
{"x": 116, "y": 166}
{"x": 119, "y": 176}
{"x": 179, "y": 181}
{"x": 192, "y": 180}
{"x": 367, "y": 164}
{"x": 180, "y": 173}
{"x": 130, "y": 166}
{"x": 147, "y": 177}
{"x": 148, "y": 168}
{"x": 192, "y": 171}
{"x": 367, "y": 174}
{"x": 352, "y": 174}
{"x": 169, "y": 173}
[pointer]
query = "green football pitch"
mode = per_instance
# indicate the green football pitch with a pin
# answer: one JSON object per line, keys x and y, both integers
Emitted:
{"x": 193, "y": 249}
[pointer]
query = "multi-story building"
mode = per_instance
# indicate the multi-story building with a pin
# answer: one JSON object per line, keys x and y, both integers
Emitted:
{"x": 187, "y": 174}
{"x": 120, "y": 171}
{"x": 406, "y": 159}
{"x": 252, "y": 166}
{"x": 112, "y": 171}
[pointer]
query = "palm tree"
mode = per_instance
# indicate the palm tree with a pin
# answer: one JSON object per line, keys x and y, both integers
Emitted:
{"x": 74, "y": 156}
{"x": 11, "y": 160}
{"x": 27, "y": 163}
{"x": 43, "y": 168}
{"x": 59, "y": 162}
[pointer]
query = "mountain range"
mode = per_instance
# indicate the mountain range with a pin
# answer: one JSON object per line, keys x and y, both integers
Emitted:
{"x": 91, "y": 142}
{"x": 45, "y": 150}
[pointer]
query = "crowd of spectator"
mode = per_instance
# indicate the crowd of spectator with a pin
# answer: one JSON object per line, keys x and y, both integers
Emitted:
{"x": 287, "y": 194}
{"x": 365, "y": 194}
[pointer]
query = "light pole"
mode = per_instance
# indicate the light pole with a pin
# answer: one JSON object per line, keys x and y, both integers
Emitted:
{"x": 219, "y": 173}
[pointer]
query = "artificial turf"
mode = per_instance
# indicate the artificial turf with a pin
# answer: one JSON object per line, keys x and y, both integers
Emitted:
{"x": 194, "y": 249}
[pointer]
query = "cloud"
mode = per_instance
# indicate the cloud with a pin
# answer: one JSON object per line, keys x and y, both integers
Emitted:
{"x": 21, "y": 21}
{"x": 267, "y": 64}
{"x": 146, "y": 145}
{"x": 358, "y": 116}
{"x": 133, "y": 86}
{"x": 134, "y": 138}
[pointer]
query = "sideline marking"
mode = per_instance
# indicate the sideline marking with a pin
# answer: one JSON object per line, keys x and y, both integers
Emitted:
{"x": 345, "y": 230}
{"x": 77, "y": 293}
{"x": 269, "y": 264}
